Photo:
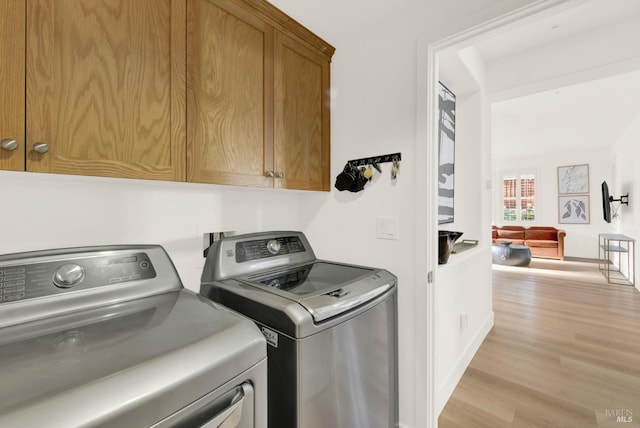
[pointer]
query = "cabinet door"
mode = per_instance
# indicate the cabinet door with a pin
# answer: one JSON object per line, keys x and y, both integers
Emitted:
{"x": 229, "y": 69}
{"x": 301, "y": 116}
{"x": 105, "y": 87}
{"x": 12, "y": 72}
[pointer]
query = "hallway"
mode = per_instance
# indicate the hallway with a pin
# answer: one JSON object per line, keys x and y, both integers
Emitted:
{"x": 564, "y": 352}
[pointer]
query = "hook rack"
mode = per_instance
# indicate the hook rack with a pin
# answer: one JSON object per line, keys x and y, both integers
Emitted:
{"x": 354, "y": 177}
{"x": 395, "y": 157}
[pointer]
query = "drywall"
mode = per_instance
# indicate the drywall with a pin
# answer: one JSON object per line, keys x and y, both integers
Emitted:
{"x": 464, "y": 317}
{"x": 598, "y": 53}
{"x": 374, "y": 83}
{"x": 43, "y": 211}
{"x": 625, "y": 158}
{"x": 463, "y": 312}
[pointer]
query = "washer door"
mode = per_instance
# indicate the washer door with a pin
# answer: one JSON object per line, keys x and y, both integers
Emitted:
{"x": 311, "y": 279}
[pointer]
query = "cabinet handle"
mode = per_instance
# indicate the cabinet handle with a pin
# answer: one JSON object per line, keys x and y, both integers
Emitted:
{"x": 41, "y": 147}
{"x": 279, "y": 174}
{"x": 269, "y": 174}
{"x": 9, "y": 144}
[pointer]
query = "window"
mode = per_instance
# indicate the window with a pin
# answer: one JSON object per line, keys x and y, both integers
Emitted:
{"x": 519, "y": 197}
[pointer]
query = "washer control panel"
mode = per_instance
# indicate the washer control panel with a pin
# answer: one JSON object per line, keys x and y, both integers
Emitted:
{"x": 264, "y": 248}
{"x": 39, "y": 279}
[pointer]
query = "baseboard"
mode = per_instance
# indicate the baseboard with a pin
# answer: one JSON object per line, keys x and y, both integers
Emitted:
{"x": 582, "y": 260}
{"x": 461, "y": 365}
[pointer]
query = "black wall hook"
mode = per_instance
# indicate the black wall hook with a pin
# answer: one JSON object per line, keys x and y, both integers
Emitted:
{"x": 376, "y": 160}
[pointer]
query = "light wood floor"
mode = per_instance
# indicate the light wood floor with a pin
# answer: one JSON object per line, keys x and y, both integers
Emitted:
{"x": 564, "y": 352}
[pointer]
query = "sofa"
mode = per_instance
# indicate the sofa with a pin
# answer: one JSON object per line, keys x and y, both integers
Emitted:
{"x": 544, "y": 241}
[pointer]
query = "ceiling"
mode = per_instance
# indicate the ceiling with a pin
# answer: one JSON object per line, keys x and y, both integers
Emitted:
{"x": 575, "y": 18}
{"x": 586, "y": 115}
{"x": 576, "y": 115}
{"x": 583, "y": 117}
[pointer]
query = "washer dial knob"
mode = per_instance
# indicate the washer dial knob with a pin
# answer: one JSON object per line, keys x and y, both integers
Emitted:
{"x": 273, "y": 246}
{"x": 68, "y": 275}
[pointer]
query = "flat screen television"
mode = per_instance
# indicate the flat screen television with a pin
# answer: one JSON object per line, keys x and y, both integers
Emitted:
{"x": 606, "y": 202}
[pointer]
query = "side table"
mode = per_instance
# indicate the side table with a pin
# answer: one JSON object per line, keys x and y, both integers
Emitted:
{"x": 622, "y": 248}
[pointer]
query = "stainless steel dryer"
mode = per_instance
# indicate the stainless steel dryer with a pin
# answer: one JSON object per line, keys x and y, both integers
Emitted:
{"x": 330, "y": 329}
{"x": 108, "y": 337}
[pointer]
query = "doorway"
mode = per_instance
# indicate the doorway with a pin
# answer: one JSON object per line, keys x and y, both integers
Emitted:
{"x": 431, "y": 67}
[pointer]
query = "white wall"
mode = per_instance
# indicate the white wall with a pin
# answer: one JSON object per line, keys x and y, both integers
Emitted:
{"x": 464, "y": 284}
{"x": 581, "y": 239}
{"x": 625, "y": 156}
{"x": 374, "y": 112}
{"x": 464, "y": 316}
{"x": 41, "y": 211}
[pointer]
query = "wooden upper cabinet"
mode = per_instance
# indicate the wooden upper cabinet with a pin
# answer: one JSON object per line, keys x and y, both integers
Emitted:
{"x": 106, "y": 87}
{"x": 301, "y": 116}
{"x": 12, "y": 75}
{"x": 228, "y": 98}
{"x": 257, "y": 97}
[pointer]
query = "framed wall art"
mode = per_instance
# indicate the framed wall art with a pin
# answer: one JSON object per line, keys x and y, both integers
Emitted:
{"x": 446, "y": 153}
{"x": 573, "y": 209}
{"x": 573, "y": 179}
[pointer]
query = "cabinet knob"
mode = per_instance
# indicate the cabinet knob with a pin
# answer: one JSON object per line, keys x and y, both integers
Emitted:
{"x": 269, "y": 174}
{"x": 279, "y": 174}
{"x": 41, "y": 147}
{"x": 9, "y": 144}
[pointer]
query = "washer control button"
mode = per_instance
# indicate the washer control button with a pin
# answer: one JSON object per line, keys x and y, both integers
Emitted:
{"x": 273, "y": 246}
{"x": 69, "y": 275}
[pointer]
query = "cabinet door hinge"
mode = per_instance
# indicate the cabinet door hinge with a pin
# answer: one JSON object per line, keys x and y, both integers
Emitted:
{"x": 430, "y": 277}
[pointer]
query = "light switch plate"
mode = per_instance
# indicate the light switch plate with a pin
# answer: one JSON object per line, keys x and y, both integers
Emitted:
{"x": 388, "y": 228}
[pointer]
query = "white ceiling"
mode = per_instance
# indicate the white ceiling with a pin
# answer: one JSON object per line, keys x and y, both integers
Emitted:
{"x": 576, "y": 18}
{"x": 584, "y": 116}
